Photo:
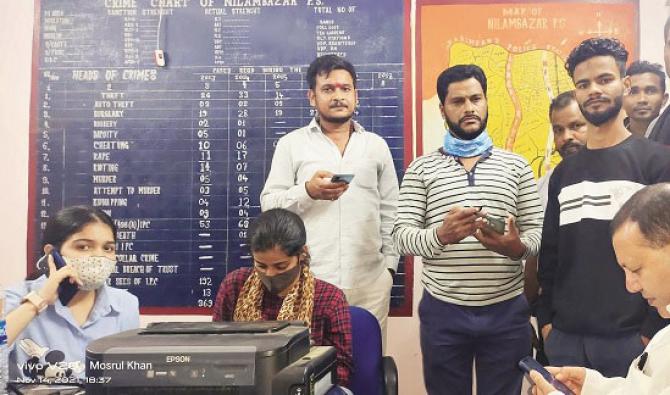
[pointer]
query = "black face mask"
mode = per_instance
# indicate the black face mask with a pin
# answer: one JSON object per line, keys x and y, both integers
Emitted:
{"x": 279, "y": 282}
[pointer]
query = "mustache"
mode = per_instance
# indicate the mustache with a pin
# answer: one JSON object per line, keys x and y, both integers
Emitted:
{"x": 571, "y": 145}
{"x": 467, "y": 117}
{"x": 338, "y": 104}
{"x": 596, "y": 100}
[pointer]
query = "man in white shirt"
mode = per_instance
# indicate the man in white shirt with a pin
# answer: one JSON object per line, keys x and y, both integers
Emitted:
{"x": 641, "y": 239}
{"x": 348, "y": 224}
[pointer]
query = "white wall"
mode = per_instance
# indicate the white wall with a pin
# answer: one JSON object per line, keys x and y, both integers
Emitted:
{"x": 16, "y": 32}
{"x": 16, "y": 23}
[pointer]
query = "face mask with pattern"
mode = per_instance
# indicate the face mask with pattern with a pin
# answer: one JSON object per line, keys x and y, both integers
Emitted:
{"x": 93, "y": 271}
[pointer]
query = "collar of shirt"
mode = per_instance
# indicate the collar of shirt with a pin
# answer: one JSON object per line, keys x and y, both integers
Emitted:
{"x": 651, "y": 126}
{"x": 483, "y": 156}
{"x": 315, "y": 127}
{"x": 103, "y": 306}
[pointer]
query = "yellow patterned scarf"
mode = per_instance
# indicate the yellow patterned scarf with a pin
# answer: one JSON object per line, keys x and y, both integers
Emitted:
{"x": 298, "y": 303}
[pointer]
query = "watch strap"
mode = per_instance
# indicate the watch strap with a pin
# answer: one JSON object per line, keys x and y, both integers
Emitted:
{"x": 36, "y": 300}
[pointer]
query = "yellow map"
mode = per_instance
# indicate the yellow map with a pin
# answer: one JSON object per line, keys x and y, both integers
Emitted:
{"x": 522, "y": 49}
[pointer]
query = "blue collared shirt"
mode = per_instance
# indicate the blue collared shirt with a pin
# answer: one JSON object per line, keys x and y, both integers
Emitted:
{"x": 54, "y": 344}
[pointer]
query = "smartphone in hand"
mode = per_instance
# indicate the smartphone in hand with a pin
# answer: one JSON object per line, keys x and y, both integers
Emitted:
{"x": 529, "y": 363}
{"x": 66, "y": 290}
{"x": 497, "y": 224}
{"x": 345, "y": 178}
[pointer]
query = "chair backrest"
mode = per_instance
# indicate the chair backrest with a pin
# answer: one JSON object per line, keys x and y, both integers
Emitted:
{"x": 368, "y": 373}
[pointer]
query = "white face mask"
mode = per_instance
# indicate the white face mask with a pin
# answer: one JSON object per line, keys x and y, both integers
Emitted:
{"x": 93, "y": 271}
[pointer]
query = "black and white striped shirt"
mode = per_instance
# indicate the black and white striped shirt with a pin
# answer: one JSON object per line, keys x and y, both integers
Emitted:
{"x": 466, "y": 273}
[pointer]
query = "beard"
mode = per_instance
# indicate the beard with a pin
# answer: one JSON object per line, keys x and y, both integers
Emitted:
{"x": 336, "y": 120}
{"x": 570, "y": 148}
{"x": 461, "y": 134}
{"x": 339, "y": 119}
{"x": 598, "y": 119}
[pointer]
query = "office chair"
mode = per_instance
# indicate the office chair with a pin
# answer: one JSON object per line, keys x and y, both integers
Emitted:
{"x": 374, "y": 374}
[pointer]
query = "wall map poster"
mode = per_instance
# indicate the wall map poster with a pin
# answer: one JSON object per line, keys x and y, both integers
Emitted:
{"x": 522, "y": 47}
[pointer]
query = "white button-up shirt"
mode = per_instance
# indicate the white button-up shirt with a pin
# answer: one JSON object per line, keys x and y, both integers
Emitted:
{"x": 349, "y": 239}
{"x": 648, "y": 377}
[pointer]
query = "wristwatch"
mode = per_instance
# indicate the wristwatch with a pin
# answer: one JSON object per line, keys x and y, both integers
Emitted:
{"x": 36, "y": 300}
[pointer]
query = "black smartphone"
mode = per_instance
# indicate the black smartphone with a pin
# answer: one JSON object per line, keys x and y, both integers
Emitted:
{"x": 345, "y": 178}
{"x": 66, "y": 290}
{"x": 529, "y": 363}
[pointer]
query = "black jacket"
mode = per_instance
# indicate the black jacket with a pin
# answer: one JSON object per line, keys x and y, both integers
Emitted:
{"x": 583, "y": 287}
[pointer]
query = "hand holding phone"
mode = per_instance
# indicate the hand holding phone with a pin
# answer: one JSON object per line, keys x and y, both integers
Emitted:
{"x": 345, "y": 178}
{"x": 325, "y": 185}
{"x": 527, "y": 364}
{"x": 66, "y": 290}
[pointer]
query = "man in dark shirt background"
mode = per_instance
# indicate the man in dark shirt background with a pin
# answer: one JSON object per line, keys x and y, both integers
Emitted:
{"x": 645, "y": 98}
{"x": 661, "y": 130}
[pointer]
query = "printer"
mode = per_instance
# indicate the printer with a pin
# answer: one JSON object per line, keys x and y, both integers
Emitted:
{"x": 233, "y": 358}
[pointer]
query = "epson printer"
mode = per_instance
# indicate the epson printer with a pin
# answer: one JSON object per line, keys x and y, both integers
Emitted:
{"x": 240, "y": 358}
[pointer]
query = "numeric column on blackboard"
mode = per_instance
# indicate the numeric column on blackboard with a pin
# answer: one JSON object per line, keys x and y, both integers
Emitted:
{"x": 247, "y": 138}
{"x": 285, "y": 101}
{"x": 209, "y": 236}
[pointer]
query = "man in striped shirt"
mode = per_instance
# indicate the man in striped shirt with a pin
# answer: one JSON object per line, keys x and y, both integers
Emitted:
{"x": 473, "y": 305}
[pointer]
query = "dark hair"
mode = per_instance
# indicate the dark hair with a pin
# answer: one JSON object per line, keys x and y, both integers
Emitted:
{"x": 649, "y": 208}
{"x": 561, "y": 101}
{"x": 601, "y": 46}
{"x": 325, "y": 64}
{"x": 642, "y": 66}
{"x": 278, "y": 228}
{"x": 69, "y": 221}
{"x": 458, "y": 73}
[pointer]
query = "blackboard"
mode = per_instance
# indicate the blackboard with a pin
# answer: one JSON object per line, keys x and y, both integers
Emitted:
{"x": 178, "y": 154}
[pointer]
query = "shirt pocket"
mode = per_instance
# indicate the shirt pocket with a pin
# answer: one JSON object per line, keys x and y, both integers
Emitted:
{"x": 637, "y": 382}
{"x": 365, "y": 174}
{"x": 310, "y": 165}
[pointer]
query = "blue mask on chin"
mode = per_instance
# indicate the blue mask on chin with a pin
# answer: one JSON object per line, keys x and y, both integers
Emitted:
{"x": 467, "y": 148}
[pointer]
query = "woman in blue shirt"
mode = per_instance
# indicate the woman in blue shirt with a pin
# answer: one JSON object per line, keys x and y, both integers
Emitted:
{"x": 47, "y": 338}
